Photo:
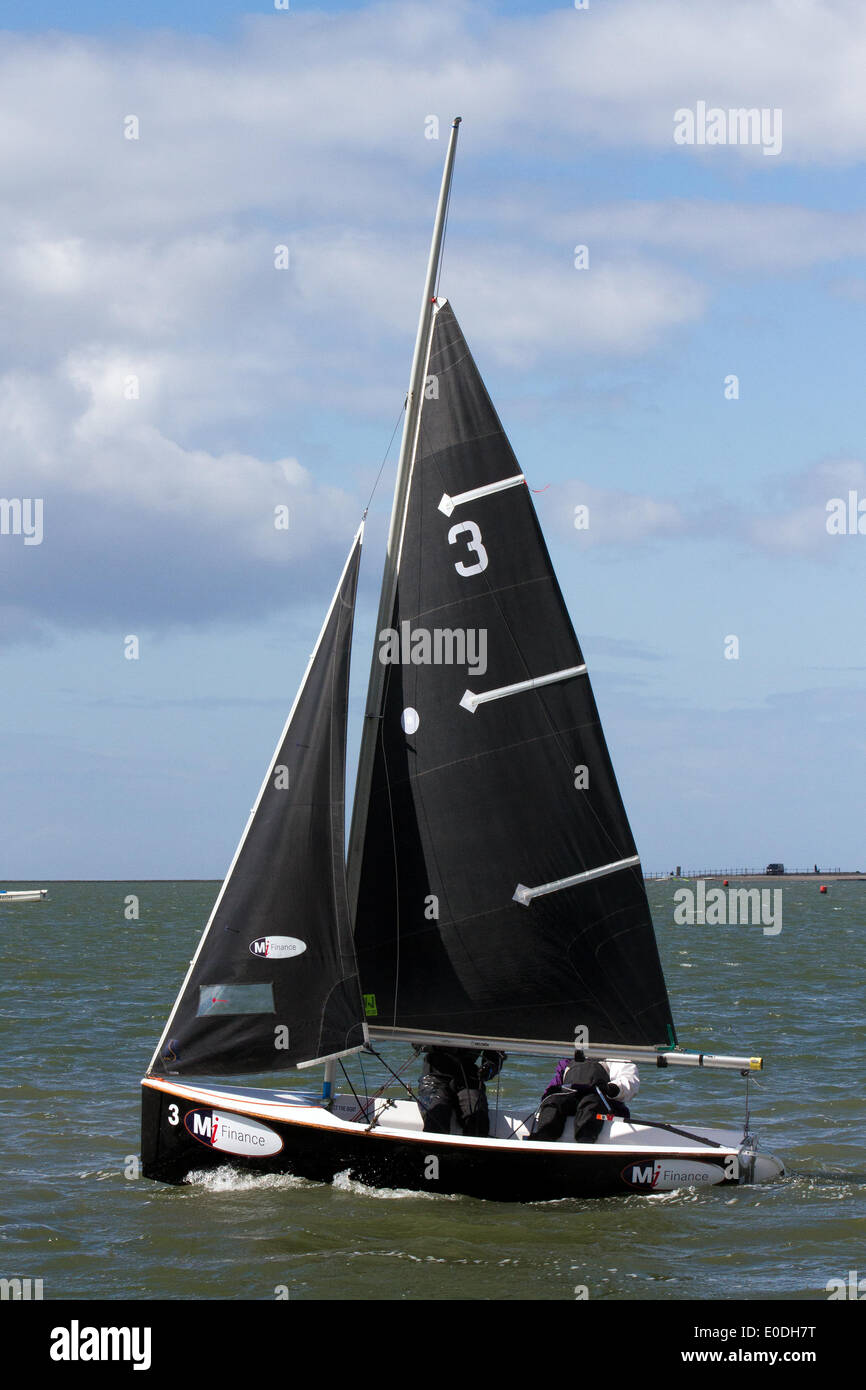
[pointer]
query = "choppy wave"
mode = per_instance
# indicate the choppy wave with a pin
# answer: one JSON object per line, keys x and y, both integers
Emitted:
{"x": 73, "y": 1217}
{"x": 344, "y": 1182}
{"x": 228, "y": 1179}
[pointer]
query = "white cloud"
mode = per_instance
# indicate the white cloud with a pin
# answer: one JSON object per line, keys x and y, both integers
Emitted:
{"x": 774, "y": 239}
{"x": 153, "y": 258}
{"x": 802, "y": 529}
{"x": 613, "y": 517}
{"x": 788, "y": 516}
{"x": 111, "y": 452}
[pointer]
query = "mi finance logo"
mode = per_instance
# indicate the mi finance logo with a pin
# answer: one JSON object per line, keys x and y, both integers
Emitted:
{"x": 663, "y": 1175}
{"x": 230, "y": 1133}
{"x": 277, "y": 947}
{"x": 77, "y": 1343}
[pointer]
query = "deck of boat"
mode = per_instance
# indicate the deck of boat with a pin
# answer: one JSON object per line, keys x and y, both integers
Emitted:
{"x": 402, "y": 1118}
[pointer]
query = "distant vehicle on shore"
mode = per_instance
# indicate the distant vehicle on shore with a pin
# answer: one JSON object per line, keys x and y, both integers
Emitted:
{"x": 775, "y": 869}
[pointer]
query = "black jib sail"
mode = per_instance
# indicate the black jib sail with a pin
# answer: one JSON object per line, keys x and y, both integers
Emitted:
{"x": 274, "y": 981}
{"x": 501, "y": 895}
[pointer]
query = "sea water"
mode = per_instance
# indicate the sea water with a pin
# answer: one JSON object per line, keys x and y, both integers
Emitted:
{"x": 86, "y": 988}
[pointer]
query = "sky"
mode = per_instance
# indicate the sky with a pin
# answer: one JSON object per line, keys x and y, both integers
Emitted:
{"x": 697, "y": 382}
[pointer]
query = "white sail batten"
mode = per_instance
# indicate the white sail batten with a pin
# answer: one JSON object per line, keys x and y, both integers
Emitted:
{"x": 524, "y": 895}
{"x": 448, "y": 504}
{"x": 471, "y": 701}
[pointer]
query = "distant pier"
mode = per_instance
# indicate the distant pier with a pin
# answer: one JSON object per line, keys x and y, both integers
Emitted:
{"x": 748, "y": 875}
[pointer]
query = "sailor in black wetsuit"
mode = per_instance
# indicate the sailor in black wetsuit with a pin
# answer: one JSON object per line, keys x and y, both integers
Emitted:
{"x": 453, "y": 1084}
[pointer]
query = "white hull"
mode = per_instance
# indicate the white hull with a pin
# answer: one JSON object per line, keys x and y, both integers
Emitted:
{"x": 28, "y": 895}
{"x": 197, "y": 1126}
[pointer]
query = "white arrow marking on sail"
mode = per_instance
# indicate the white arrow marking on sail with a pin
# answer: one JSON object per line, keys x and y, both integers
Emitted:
{"x": 524, "y": 895}
{"x": 448, "y": 504}
{"x": 471, "y": 702}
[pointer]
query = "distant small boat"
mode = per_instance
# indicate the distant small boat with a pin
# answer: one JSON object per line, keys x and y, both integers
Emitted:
{"x": 23, "y": 895}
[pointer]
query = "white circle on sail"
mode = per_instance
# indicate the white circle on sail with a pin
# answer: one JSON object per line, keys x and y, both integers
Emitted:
{"x": 410, "y": 719}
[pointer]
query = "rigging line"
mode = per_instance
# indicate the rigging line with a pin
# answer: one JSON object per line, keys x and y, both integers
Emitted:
{"x": 421, "y": 803}
{"x": 604, "y": 1102}
{"x": 469, "y": 1089}
{"x": 396, "y": 1075}
{"x": 376, "y": 1095}
{"x": 387, "y": 452}
{"x": 442, "y": 243}
{"x": 381, "y": 718}
{"x": 523, "y": 1124}
{"x": 361, "y": 1110}
{"x": 672, "y": 1129}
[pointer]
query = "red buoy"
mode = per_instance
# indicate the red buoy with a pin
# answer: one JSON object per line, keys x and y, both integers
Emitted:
{"x": 724, "y": 883}
{"x": 822, "y": 889}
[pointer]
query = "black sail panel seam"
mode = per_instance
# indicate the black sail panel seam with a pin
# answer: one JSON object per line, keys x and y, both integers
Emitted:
{"x": 491, "y": 592}
{"x": 499, "y": 749}
{"x": 493, "y": 752}
{"x": 506, "y": 903}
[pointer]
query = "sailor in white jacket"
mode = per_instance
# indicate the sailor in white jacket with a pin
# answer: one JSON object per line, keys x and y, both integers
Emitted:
{"x": 624, "y": 1076}
{"x": 574, "y": 1090}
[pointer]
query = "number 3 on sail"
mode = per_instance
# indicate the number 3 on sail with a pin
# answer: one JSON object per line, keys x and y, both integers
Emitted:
{"x": 483, "y": 908}
{"x": 474, "y": 543}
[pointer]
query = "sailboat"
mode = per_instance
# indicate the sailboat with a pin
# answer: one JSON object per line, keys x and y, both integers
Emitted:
{"x": 492, "y": 897}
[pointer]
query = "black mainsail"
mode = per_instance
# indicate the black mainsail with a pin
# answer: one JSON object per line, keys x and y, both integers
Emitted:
{"x": 500, "y": 892}
{"x": 274, "y": 981}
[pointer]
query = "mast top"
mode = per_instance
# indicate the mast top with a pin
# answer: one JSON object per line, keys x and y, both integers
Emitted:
{"x": 398, "y": 512}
